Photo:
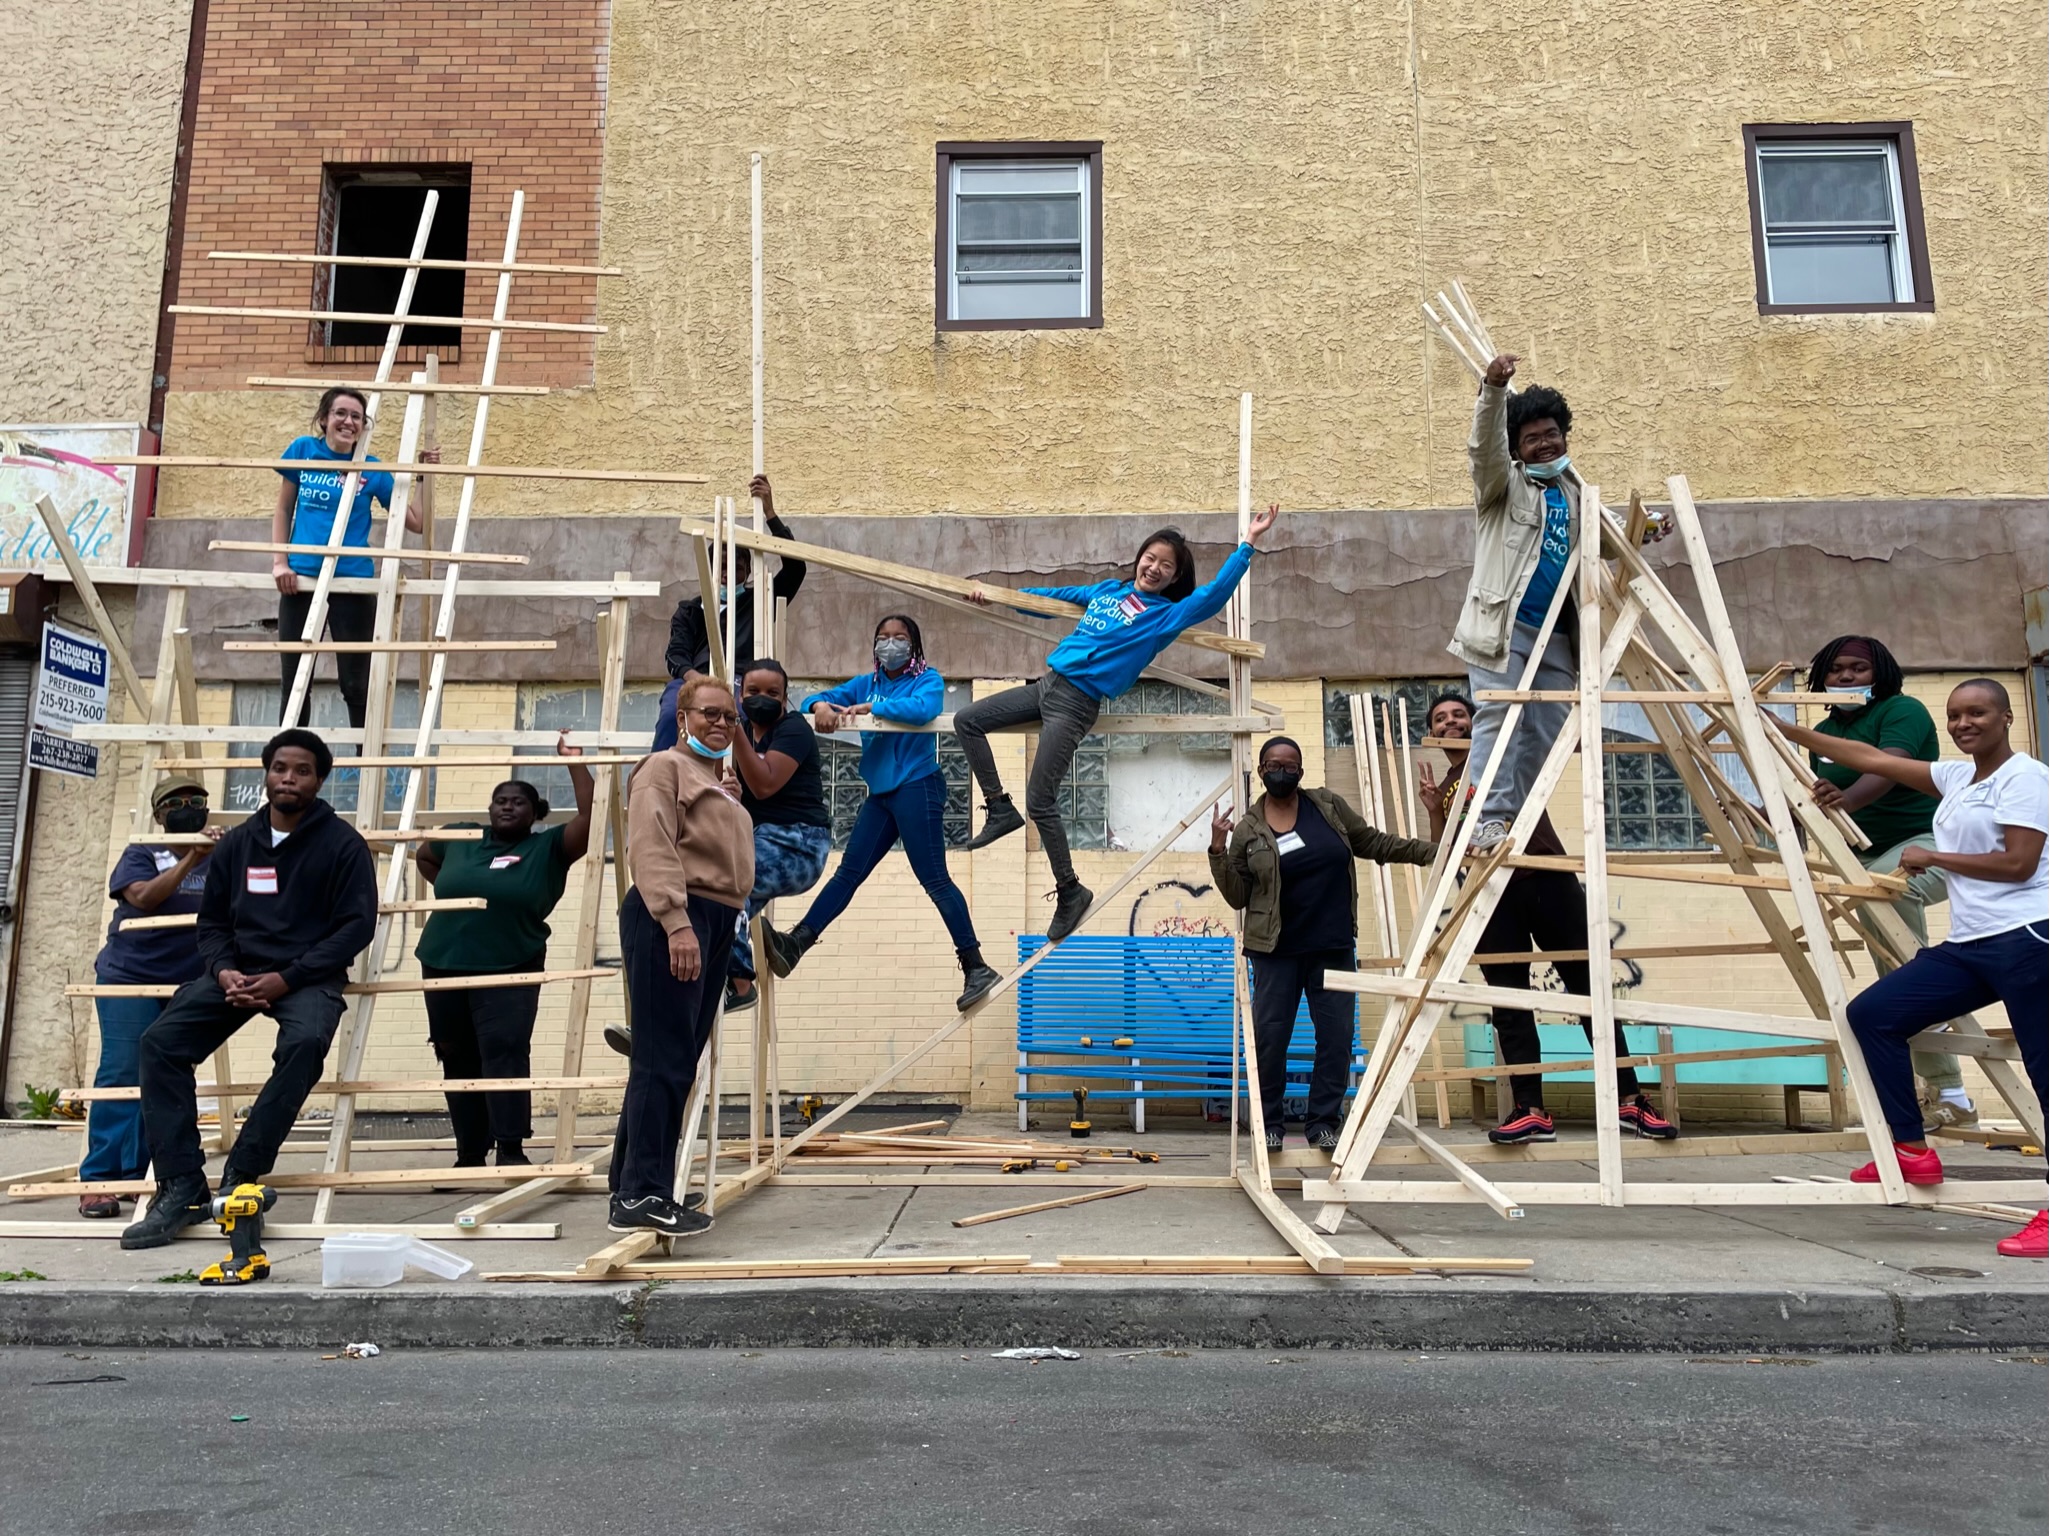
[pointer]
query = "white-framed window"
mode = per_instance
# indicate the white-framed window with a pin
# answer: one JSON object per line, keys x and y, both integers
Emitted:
{"x": 1019, "y": 231}
{"x": 1836, "y": 219}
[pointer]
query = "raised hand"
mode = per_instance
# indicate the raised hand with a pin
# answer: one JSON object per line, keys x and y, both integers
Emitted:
{"x": 1502, "y": 369}
{"x": 1262, "y": 521}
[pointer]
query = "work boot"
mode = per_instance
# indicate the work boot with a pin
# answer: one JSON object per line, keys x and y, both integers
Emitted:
{"x": 999, "y": 819}
{"x": 512, "y": 1154}
{"x": 180, "y": 1203}
{"x": 786, "y": 949}
{"x": 979, "y": 976}
{"x": 1071, "y": 901}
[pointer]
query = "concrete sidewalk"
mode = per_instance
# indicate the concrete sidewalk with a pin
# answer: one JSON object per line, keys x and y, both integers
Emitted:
{"x": 1752, "y": 1279}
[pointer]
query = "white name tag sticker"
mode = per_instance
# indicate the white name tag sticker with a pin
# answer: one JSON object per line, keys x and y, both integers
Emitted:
{"x": 505, "y": 861}
{"x": 1289, "y": 842}
{"x": 262, "y": 882}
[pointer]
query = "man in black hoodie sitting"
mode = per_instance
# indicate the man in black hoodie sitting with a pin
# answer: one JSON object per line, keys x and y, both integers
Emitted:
{"x": 290, "y": 901}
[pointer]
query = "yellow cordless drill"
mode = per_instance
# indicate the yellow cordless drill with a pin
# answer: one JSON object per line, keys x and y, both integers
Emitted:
{"x": 240, "y": 1213}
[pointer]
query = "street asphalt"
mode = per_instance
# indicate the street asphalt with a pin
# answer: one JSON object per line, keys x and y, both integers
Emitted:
{"x": 877, "y": 1441}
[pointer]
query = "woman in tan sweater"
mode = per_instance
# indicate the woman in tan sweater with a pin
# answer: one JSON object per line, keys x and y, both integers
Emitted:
{"x": 692, "y": 848}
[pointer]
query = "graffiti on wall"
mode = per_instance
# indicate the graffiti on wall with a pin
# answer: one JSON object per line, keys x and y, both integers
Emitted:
{"x": 1175, "y": 909}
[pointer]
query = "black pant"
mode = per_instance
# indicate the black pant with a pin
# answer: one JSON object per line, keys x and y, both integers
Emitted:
{"x": 192, "y": 1028}
{"x": 1541, "y": 909}
{"x": 672, "y": 1020}
{"x": 1065, "y": 714}
{"x": 350, "y": 616}
{"x": 485, "y": 1033}
{"x": 1278, "y": 982}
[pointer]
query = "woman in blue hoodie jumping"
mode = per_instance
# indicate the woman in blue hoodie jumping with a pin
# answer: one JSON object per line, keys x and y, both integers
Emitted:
{"x": 1127, "y": 624}
{"x": 906, "y": 799}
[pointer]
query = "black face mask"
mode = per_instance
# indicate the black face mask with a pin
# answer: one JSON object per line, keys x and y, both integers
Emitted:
{"x": 185, "y": 818}
{"x": 763, "y": 709}
{"x": 1280, "y": 781}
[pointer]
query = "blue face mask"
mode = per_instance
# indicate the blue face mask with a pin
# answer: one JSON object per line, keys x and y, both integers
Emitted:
{"x": 1550, "y": 469}
{"x": 703, "y": 751}
{"x": 1848, "y": 700}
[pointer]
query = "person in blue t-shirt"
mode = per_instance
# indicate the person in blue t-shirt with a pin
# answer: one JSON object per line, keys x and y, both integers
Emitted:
{"x": 1126, "y": 624}
{"x": 307, "y": 504}
{"x": 906, "y": 800}
{"x": 146, "y": 882}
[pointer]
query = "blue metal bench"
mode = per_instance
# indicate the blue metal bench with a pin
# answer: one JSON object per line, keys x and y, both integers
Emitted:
{"x": 1144, "y": 1018}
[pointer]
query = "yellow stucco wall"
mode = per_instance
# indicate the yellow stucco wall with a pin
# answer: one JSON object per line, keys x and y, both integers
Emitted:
{"x": 93, "y": 89}
{"x": 1282, "y": 185}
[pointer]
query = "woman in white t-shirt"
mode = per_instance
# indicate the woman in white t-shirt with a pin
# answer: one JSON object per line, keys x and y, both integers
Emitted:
{"x": 1990, "y": 831}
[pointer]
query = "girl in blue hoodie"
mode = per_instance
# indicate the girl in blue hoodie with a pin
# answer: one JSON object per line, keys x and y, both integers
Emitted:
{"x": 906, "y": 799}
{"x": 1126, "y": 624}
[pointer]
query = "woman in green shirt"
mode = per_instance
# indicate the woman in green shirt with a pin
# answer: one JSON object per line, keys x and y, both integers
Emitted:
{"x": 1876, "y": 710}
{"x": 489, "y": 1031}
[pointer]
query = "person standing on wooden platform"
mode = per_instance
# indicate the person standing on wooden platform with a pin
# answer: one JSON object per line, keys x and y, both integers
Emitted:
{"x": 1541, "y": 909}
{"x": 290, "y": 901}
{"x": 693, "y": 864}
{"x": 1876, "y": 710}
{"x": 307, "y": 504}
{"x": 146, "y": 882}
{"x": 689, "y": 636}
{"x": 1127, "y": 623}
{"x": 906, "y": 801}
{"x": 1526, "y": 502}
{"x": 1290, "y": 867}
{"x": 489, "y": 1031}
{"x": 1992, "y": 841}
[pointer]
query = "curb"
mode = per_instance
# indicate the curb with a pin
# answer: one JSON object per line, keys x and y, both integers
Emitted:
{"x": 958, "y": 1312}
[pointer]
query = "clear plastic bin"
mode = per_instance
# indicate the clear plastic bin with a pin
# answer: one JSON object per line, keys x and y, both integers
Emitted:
{"x": 380, "y": 1258}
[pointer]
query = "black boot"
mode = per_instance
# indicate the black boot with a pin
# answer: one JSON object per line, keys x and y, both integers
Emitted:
{"x": 786, "y": 949}
{"x": 980, "y": 978}
{"x": 512, "y": 1154}
{"x": 1071, "y": 901}
{"x": 180, "y": 1203}
{"x": 999, "y": 819}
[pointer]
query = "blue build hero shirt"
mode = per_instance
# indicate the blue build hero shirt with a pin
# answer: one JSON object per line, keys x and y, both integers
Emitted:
{"x": 1124, "y": 628}
{"x": 892, "y": 759}
{"x": 1550, "y": 559}
{"x": 320, "y": 493}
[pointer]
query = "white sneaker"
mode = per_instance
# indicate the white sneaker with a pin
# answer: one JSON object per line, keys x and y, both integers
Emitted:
{"x": 1489, "y": 834}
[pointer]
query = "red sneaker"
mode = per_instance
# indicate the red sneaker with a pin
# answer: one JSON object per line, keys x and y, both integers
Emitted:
{"x": 1637, "y": 1115}
{"x": 1525, "y": 1124}
{"x": 2031, "y": 1242}
{"x": 1915, "y": 1168}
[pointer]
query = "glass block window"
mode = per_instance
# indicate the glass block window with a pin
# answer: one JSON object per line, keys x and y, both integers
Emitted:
{"x": 839, "y": 761}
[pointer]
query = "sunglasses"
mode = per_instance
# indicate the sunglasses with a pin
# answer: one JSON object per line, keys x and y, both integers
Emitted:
{"x": 716, "y": 716}
{"x": 179, "y": 802}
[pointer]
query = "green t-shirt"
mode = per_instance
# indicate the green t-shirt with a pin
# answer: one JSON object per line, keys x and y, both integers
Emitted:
{"x": 1897, "y": 724}
{"x": 521, "y": 880}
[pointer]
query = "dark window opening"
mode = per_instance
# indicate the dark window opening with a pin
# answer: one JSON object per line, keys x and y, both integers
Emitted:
{"x": 377, "y": 213}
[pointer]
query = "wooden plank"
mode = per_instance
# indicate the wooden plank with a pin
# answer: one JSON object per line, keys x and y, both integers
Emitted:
{"x": 1442, "y": 1155}
{"x": 1620, "y": 952}
{"x": 482, "y": 980}
{"x": 352, "y": 551}
{"x": 252, "y": 581}
{"x": 371, "y": 317}
{"x": 377, "y": 835}
{"x": 424, "y": 263}
{"x": 1435, "y": 1191}
{"x": 955, "y": 586}
{"x": 380, "y": 1086}
{"x": 465, "y": 760}
{"x": 289, "y": 1231}
{"x": 1632, "y": 696}
{"x": 1049, "y": 1205}
{"x": 381, "y": 1178}
{"x": 382, "y": 647}
{"x": 1654, "y": 1059}
{"x": 1885, "y": 888}
{"x": 1594, "y": 837}
{"x": 89, "y": 594}
{"x": 191, "y": 919}
{"x": 467, "y": 471}
{"x": 267, "y": 381}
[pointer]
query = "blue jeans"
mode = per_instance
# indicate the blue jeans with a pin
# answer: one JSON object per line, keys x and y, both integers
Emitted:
{"x": 915, "y": 814}
{"x": 1940, "y": 983}
{"x": 787, "y": 862}
{"x": 1541, "y": 722}
{"x": 113, "y": 1134}
{"x": 665, "y": 722}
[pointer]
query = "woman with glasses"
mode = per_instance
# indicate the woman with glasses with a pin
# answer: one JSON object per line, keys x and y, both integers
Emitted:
{"x": 906, "y": 800}
{"x": 148, "y": 882}
{"x": 308, "y": 502}
{"x": 692, "y": 848}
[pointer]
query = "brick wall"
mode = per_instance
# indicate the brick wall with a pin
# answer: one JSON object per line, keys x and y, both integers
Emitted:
{"x": 514, "y": 90}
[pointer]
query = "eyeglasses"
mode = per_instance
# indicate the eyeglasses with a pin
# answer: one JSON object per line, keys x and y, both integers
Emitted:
{"x": 179, "y": 802}
{"x": 716, "y": 716}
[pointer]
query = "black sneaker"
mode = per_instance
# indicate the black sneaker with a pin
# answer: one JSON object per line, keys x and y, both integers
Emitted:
{"x": 1324, "y": 1138}
{"x": 658, "y": 1214}
{"x": 740, "y": 1002}
{"x": 1524, "y": 1125}
{"x": 1275, "y": 1140}
{"x": 512, "y": 1154}
{"x": 999, "y": 820}
{"x": 1637, "y": 1115}
{"x": 180, "y": 1203}
{"x": 1071, "y": 904}
{"x": 786, "y": 949}
{"x": 620, "y": 1038}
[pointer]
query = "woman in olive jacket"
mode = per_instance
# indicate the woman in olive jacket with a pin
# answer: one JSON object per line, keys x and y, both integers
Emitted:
{"x": 1288, "y": 867}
